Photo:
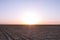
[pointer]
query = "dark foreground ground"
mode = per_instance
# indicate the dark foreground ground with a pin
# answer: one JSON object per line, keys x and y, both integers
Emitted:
{"x": 26, "y": 32}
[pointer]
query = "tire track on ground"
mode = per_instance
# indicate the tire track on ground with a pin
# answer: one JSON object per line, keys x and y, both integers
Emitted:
{"x": 21, "y": 36}
{"x": 10, "y": 37}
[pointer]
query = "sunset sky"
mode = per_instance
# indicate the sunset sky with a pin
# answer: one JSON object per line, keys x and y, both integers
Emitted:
{"x": 48, "y": 11}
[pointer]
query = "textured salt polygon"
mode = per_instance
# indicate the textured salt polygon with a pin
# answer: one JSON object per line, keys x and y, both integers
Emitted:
{"x": 2, "y": 36}
{"x": 37, "y": 33}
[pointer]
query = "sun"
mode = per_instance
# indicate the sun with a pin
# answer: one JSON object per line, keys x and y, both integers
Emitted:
{"x": 30, "y": 18}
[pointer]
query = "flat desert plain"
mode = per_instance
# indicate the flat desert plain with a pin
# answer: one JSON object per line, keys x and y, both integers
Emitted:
{"x": 29, "y": 32}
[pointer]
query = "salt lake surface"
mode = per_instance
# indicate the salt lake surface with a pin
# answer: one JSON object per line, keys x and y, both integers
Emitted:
{"x": 29, "y": 32}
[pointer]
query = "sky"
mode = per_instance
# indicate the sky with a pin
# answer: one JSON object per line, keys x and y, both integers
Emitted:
{"x": 11, "y": 10}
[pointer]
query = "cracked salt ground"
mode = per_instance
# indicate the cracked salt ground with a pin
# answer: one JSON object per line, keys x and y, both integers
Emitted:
{"x": 2, "y": 36}
{"x": 38, "y": 33}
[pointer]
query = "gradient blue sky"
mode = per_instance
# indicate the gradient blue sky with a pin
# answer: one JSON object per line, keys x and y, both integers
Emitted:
{"x": 11, "y": 10}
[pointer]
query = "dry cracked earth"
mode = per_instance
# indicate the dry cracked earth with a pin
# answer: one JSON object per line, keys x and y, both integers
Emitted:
{"x": 39, "y": 32}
